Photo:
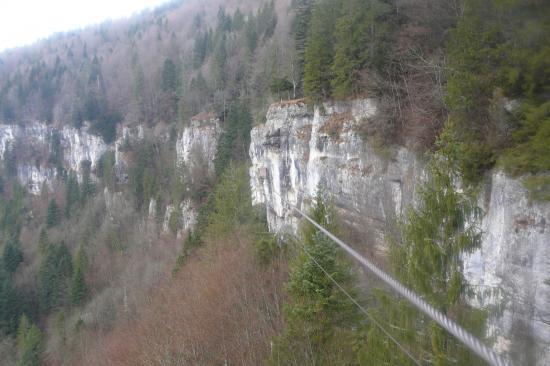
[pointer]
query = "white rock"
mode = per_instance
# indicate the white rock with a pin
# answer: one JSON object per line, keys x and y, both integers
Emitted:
{"x": 199, "y": 142}
{"x": 293, "y": 153}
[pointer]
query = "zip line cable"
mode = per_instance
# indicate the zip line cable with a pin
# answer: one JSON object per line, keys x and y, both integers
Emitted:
{"x": 468, "y": 339}
{"x": 376, "y": 322}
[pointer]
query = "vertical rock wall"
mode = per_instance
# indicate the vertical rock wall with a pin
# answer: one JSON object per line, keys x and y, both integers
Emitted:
{"x": 298, "y": 150}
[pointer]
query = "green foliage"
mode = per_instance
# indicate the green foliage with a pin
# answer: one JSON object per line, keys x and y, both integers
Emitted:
{"x": 267, "y": 20}
{"x": 238, "y": 20}
{"x": 78, "y": 289}
{"x": 54, "y": 270}
{"x": 168, "y": 87}
{"x": 428, "y": 259}
{"x": 53, "y": 215}
{"x": 202, "y": 47}
{"x": 299, "y": 30}
{"x": 22, "y": 330}
{"x": 227, "y": 207}
{"x": 87, "y": 188}
{"x": 538, "y": 187}
{"x": 251, "y": 33}
{"x": 499, "y": 53}
{"x": 322, "y": 323}
{"x": 174, "y": 221}
{"x": 56, "y": 152}
{"x": 531, "y": 153}
{"x": 231, "y": 203}
{"x": 359, "y": 40}
{"x": 106, "y": 170}
{"x": 281, "y": 85}
{"x": 168, "y": 76}
{"x": 12, "y": 255}
{"x": 11, "y": 304}
{"x": 219, "y": 61}
{"x": 32, "y": 347}
{"x": 72, "y": 194}
{"x": 235, "y": 140}
{"x": 11, "y": 212}
{"x": 266, "y": 245}
{"x": 319, "y": 50}
{"x": 105, "y": 126}
{"x": 144, "y": 179}
{"x": 344, "y": 38}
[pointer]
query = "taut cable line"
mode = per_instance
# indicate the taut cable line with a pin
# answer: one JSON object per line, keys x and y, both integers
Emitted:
{"x": 468, "y": 339}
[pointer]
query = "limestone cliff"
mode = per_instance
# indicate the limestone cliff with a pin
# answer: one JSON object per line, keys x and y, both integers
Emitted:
{"x": 34, "y": 143}
{"x": 298, "y": 150}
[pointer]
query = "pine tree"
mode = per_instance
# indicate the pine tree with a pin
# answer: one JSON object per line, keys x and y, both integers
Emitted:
{"x": 234, "y": 142}
{"x": 78, "y": 284}
{"x": 10, "y": 304}
{"x": 219, "y": 61}
{"x": 251, "y": 33}
{"x": 12, "y": 255}
{"x": 53, "y": 214}
{"x": 24, "y": 326}
{"x": 32, "y": 348}
{"x": 87, "y": 188}
{"x": 43, "y": 240}
{"x": 356, "y": 41}
{"x": 322, "y": 324}
{"x": 428, "y": 259}
{"x": 318, "y": 55}
{"x": 72, "y": 194}
{"x": 168, "y": 76}
{"x": 238, "y": 20}
{"x": 54, "y": 270}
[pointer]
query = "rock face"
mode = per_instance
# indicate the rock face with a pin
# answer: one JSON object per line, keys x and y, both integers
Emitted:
{"x": 198, "y": 143}
{"x": 511, "y": 270}
{"x": 298, "y": 150}
{"x": 34, "y": 144}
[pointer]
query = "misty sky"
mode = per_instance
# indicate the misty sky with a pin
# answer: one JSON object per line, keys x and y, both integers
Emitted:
{"x": 23, "y": 22}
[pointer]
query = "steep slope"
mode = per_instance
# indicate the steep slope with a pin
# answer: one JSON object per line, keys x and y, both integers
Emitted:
{"x": 298, "y": 151}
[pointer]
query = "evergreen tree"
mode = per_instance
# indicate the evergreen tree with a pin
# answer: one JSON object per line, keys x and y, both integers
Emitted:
{"x": 87, "y": 189}
{"x": 428, "y": 260}
{"x": 234, "y": 142}
{"x": 139, "y": 89}
{"x": 201, "y": 48}
{"x": 53, "y": 216}
{"x": 78, "y": 284}
{"x": 56, "y": 152}
{"x": 318, "y": 55}
{"x": 32, "y": 348}
{"x": 238, "y": 20}
{"x": 322, "y": 324}
{"x": 168, "y": 76}
{"x": 54, "y": 270}
{"x": 43, "y": 240}
{"x": 72, "y": 193}
{"x": 10, "y": 304}
{"x": 168, "y": 86}
{"x": 251, "y": 33}
{"x": 219, "y": 62}
{"x": 358, "y": 39}
{"x": 267, "y": 20}
{"x": 24, "y": 326}
{"x": 12, "y": 255}
{"x": 224, "y": 21}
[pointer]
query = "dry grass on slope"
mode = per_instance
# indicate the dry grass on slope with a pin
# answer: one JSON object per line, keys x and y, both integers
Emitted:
{"x": 222, "y": 308}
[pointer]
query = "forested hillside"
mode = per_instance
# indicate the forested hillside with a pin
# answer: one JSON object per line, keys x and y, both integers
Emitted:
{"x": 99, "y": 265}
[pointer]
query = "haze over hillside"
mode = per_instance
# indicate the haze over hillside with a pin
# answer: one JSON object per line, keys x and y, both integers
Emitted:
{"x": 150, "y": 165}
{"x": 21, "y": 27}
